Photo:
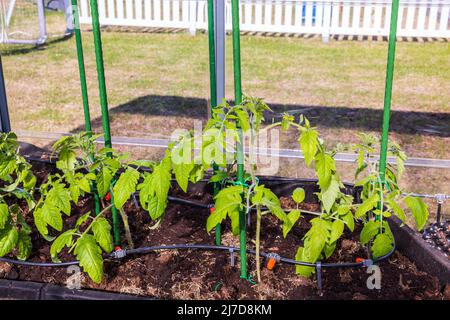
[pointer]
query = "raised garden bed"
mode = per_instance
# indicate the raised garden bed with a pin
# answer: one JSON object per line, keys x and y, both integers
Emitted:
{"x": 204, "y": 274}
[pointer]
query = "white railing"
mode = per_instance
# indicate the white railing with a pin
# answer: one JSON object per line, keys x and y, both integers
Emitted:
{"x": 417, "y": 18}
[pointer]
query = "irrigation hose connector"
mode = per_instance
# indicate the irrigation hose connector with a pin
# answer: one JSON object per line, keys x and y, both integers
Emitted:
{"x": 232, "y": 260}
{"x": 119, "y": 254}
{"x": 440, "y": 198}
{"x": 365, "y": 262}
{"x": 319, "y": 277}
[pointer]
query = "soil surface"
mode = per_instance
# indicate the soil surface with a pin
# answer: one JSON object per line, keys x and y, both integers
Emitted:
{"x": 195, "y": 274}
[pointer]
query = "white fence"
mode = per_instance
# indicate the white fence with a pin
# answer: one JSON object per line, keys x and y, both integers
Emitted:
{"x": 417, "y": 18}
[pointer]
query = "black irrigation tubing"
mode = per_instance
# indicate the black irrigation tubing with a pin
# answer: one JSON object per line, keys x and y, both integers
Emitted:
{"x": 118, "y": 255}
{"x": 144, "y": 250}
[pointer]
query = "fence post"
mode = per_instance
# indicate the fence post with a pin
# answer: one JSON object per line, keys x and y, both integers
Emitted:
{"x": 193, "y": 17}
{"x": 326, "y": 21}
{"x": 42, "y": 23}
{"x": 219, "y": 19}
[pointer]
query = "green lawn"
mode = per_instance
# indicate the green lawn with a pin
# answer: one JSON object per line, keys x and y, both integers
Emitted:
{"x": 157, "y": 82}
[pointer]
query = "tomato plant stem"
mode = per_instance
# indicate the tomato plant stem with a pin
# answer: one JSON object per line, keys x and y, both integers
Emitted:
{"x": 126, "y": 226}
{"x": 257, "y": 244}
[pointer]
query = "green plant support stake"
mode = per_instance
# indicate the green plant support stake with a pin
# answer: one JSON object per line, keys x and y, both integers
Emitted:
{"x": 240, "y": 148}
{"x": 103, "y": 100}
{"x": 213, "y": 91}
{"x": 388, "y": 91}
{"x": 84, "y": 92}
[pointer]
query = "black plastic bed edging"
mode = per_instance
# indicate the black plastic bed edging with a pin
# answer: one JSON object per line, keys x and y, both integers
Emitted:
{"x": 28, "y": 290}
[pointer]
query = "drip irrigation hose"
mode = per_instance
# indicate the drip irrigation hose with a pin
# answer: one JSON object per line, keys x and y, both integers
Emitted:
{"x": 120, "y": 254}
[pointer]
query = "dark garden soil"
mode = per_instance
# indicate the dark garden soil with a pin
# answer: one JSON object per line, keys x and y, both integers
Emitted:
{"x": 194, "y": 274}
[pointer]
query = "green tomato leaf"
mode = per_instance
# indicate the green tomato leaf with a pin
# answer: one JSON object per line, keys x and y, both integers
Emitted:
{"x": 382, "y": 245}
{"x": 59, "y": 197}
{"x": 63, "y": 240}
{"x": 292, "y": 218}
{"x": 349, "y": 220}
{"x": 24, "y": 245}
{"x": 337, "y": 228}
{"x": 330, "y": 194}
{"x": 8, "y": 240}
{"x": 325, "y": 166}
{"x": 303, "y": 271}
{"x": 419, "y": 210}
{"x": 370, "y": 230}
{"x": 52, "y": 216}
{"x": 309, "y": 144}
{"x": 125, "y": 186}
{"x": 4, "y": 215}
{"x": 104, "y": 178}
{"x": 298, "y": 195}
{"x": 367, "y": 205}
{"x": 102, "y": 233}
{"x": 90, "y": 256}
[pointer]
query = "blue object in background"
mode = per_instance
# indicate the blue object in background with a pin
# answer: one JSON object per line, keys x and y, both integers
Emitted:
{"x": 304, "y": 13}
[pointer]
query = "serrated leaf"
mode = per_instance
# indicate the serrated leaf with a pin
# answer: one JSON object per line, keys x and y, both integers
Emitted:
{"x": 304, "y": 271}
{"x": 52, "y": 216}
{"x": 329, "y": 248}
{"x": 419, "y": 211}
{"x": 63, "y": 240}
{"x": 59, "y": 197}
{"x": 4, "y": 215}
{"x": 243, "y": 120}
{"x": 90, "y": 256}
{"x": 349, "y": 221}
{"x": 382, "y": 245}
{"x": 298, "y": 195}
{"x": 214, "y": 219}
{"x": 398, "y": 211}
{"x": 370, "y": 230}
{"x": 325, "y": 166}
{"x": 40, "y": 223}
{"x": 182, "y": 164}
{"x": 154, "y": 189}
{"x": 227, "y": 203}
{"x": 7, "y": 167}
{"x": 102, "y": 233}
{"x": 84, "y": 184}
{"x": 156, "y": 207}
{"x": 315, "y": 239}
{"x": 104, "y": 178}
{"x": 82, "y": 219}
{"x": 367, "y": 205}
{"x": 309, "y": 144}
{"x": 66, "y": 159}
{"x": 8, "y": 240}
{"x": 24, "y": 245}
{"x": 337, "y": 228}
{"x": 74, "y": 192}
{"x": 292, "y": 218}
{"x": 218, "y": 176}
{"x": 330, "y": 194}
{"x": 125, "y": 186}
